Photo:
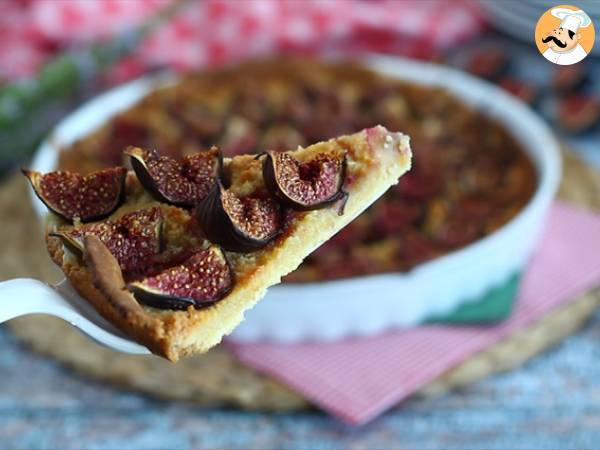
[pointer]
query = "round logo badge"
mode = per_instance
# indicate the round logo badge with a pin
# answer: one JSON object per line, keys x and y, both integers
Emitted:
{"x": 564, "y": 35}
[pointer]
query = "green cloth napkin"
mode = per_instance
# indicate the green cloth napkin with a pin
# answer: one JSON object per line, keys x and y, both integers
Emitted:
{"x": 494, "y": 306}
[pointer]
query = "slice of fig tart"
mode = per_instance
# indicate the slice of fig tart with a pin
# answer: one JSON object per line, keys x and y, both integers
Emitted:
{"x": 189, "y": 248}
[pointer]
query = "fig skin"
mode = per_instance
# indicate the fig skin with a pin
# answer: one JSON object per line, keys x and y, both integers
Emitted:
{"x": 221, "y": 228}
{"x": 173, "y": 288}
{"x": 134, "y": 239}
{"x": 271, "y": 178}
{"x": 86, "y": 192}
{"x": 185, "y": 184}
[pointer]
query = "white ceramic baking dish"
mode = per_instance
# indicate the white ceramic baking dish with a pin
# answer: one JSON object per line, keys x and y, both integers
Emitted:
{"x": 368, "y": 305}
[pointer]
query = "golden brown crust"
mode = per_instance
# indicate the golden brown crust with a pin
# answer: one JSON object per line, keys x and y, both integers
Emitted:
{"x": 376, "y": 160}
{"x": 108, "y": 280}
{"x": 95, "y": 285}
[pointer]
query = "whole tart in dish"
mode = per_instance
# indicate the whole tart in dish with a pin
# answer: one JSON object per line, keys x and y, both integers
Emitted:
{"x": 469, "y": 175}
{"x": 195, "y": 242}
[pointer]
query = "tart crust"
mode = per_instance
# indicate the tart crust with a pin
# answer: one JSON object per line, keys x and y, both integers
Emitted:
{"x": 376, "y": 160}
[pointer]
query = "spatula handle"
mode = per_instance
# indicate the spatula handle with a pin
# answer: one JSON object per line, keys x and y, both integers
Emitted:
{"x": 22, "y": 296}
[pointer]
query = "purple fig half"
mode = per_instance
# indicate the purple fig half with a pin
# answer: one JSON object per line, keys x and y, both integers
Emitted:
{"x": 305, "y": 185}
{"x": 134, "y": 239}
{"x": 181, "y": 183}
{"x": 85, "y": 198}
{"x": 201, "y": 280}
{"x": 239, "y": 224}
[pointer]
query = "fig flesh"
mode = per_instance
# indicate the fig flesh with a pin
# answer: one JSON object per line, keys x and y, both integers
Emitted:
{"x": 239, "y": 224}
{"x": 76, "y": 197}
{"x": 134, "y": 239}
{"x": 201, "y": 280}
{"x": 577, "y": 113}
{"x": 306, "y": 185}
{"x": 181, "y": 183}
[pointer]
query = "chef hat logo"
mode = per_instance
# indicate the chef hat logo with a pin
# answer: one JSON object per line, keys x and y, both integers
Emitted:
{"x": 571, "y": 20}
{"x": 565, "y": 34}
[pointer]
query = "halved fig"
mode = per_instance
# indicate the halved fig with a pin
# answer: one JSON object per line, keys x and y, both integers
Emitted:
{"x": 239, "y": 224}
{"x": 181, "y": 183}
{"x": 73, "y": 196}
{"x": 306, "y": 185}
{"x": 202, "y": 279}
{"x": 568, "y": 79}
{"x": 527, "y": 92}
{"x": 577, "y": 113}
{"x": 134, "y": 239}
{"x": 489, "y": 62}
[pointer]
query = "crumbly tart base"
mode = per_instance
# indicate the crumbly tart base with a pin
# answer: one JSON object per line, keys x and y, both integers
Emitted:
{"x": 376, "y": 160}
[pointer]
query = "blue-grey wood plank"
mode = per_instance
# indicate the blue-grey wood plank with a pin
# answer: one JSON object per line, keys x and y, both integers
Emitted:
{"x": 552, "y": 402}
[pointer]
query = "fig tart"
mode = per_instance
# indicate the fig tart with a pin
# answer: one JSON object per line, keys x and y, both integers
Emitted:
{"x": 174, "y": 251}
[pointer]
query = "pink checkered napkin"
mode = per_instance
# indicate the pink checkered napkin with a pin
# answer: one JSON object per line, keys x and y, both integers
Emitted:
{"x": 216, "y": 31}
{"x": 356, "y": 380}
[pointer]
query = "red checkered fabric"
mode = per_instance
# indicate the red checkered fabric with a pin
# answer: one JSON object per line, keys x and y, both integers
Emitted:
{"x": 215, "y": 31}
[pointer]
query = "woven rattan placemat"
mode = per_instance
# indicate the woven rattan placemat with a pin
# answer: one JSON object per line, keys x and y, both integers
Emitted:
{"x": 217, "y": 378}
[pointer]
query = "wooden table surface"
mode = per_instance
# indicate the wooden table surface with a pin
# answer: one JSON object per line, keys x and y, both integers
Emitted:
{"x": 552, "y": 402}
